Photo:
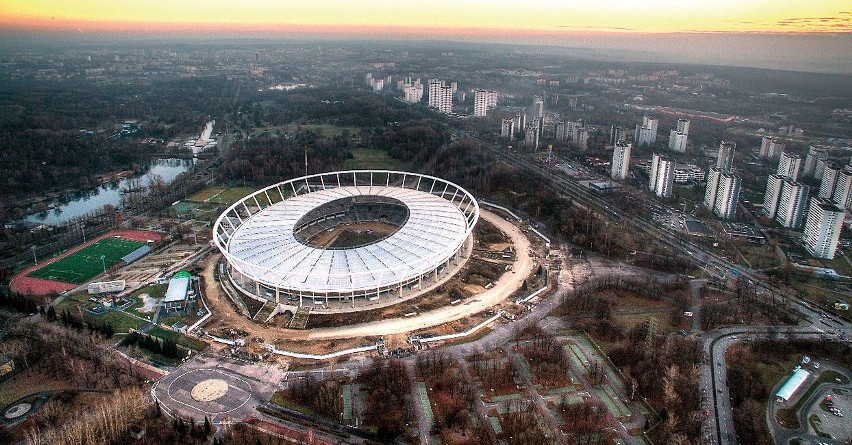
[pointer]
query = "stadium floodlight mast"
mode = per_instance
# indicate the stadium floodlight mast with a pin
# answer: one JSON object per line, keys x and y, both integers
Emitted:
{"x": 103, "y": 261}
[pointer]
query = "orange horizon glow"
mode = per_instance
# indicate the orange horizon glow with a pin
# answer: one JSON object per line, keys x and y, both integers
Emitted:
{"x": 428, "y": 17}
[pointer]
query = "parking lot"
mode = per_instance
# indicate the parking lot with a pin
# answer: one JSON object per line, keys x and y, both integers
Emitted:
{"x": 837, "y": 425}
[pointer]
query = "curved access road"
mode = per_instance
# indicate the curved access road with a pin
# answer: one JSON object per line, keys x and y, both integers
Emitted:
{"x": 504, "y": 287}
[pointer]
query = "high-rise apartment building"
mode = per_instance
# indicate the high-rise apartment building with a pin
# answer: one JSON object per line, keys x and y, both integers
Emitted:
{"x": 616, "y": 134}
{"x": 561, "y": 133}
{"x": 412, "y": 92}
{"x": 822, "y": 228}
{"x": 483, "y": 100}
{"x": 722, "y": 193}
{"x": 683, "y": 126}
{"x": 520, "y": 121}
{"x": 764, "y": 146}
{"x": 507, "y": 129}
{"x": 770, "y": 148}
{"x": 445, "y": 99}
{"x": 620, "y": 159}
{"x": 814, "y": 154}
{"x": 829, "y": 180}
{"x": 537, "y": 111}
{"x": 772, "y": 195}
{"x": 532, "y": 134}
{"x": 725, "y": 159}
{"x": 727, "y": 196}
{"x": 842, "y": 195}
{"x": 677, "y": 141}
{"x": 791, "y": 204}
{"x": 713, "y": 176}
{"x": 789, "y": 165}
{"x": 820, "y": 166}
{"x": 662, "y": 176}
{"x": 646, "y": 134}
{"x": 582, "y": 138}
{"x": 440, "y": 96}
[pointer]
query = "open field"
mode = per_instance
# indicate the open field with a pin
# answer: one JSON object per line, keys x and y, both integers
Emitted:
{"x": 121, "y": 323}
{"x": 206, "y": 194}
{"x": 370, "y": 158}
{"x": 326, "y": 130}
{"x": 88, "y": 262}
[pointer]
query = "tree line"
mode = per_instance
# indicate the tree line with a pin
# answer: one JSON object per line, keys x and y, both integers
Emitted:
{"x": 165, "y": 347}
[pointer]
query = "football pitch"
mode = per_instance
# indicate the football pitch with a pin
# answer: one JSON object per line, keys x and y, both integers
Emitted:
{"x": 82, "y": 265}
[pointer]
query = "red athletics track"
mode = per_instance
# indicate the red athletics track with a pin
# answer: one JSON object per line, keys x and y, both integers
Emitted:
{"x": 23, "y": 284}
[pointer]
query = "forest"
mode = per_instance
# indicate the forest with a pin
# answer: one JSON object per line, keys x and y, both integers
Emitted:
{"x": 59, "y": 136}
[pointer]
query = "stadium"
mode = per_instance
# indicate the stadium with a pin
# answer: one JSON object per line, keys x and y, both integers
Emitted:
{"x": 341, "y": 240}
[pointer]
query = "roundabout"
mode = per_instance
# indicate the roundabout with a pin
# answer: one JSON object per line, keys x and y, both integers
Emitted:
{"x": 206, "y": 392}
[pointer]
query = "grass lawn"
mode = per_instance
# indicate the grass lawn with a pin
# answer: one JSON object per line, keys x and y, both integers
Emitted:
{"x": 207, "y": 212}
{"x": 183, "y": 208}
{"x": 233, "y": 195}
{"x": 760, "y": 257}
{"x": 370, "y": 158}
{"x": 182, "y": 340}
{"x": 279, "y": 399}
{"x": 211, "y": 196}
{"x": 72, "y": 301}
{"x": 205, "y": 194}
{"x": 688, "y": 195}
{"x": 839, "y": 264}
{"x": 325, "y": 130}
{"x": 86, "y": 263}
{"x": 153, "y": 290}
{"x": 121, "y": 323}
{"x": 819, "y": 292}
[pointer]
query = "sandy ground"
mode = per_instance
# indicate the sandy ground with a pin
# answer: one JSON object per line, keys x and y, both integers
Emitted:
{"x": 503, "y": 288}
{"x": 148, "y": 304}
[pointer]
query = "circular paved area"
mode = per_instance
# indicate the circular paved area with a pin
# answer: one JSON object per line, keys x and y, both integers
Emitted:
{"x": 207, "y": 392}
{"x": 17, "y": 411}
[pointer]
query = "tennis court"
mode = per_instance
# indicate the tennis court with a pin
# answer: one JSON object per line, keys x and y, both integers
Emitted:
{"x": 86, "y": 263}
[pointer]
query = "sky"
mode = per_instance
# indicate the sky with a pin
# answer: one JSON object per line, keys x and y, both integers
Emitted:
{"x": 813, "y": 35}
{"x": 483, "y": 16}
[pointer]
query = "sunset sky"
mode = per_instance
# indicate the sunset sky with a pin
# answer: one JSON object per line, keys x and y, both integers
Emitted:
{"x": 486, "y": 16}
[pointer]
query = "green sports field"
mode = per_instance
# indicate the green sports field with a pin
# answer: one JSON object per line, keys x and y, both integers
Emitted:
{"x": 86, "y": 263}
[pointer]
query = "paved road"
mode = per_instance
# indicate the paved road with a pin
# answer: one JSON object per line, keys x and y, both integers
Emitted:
{"x": 508, "y": 283}
{"x": 720, "y": 427}
{"x": 783, "y": 435}
{"x": 815, "y": 318}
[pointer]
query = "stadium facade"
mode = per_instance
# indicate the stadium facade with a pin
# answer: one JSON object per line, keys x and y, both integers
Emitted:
{"x": 268, "y": 238}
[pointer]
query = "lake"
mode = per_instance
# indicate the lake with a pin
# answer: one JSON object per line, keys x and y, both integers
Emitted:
{"x": 86, "y": 201}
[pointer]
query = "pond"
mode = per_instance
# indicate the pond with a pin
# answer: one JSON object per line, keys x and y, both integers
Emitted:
{"x": 83, "y": 202}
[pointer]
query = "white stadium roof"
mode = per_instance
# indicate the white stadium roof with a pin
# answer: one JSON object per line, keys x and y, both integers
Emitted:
{"x": 262, "y": 245}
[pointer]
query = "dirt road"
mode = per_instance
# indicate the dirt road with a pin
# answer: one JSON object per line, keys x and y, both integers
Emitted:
{"x": 503, "y": 288}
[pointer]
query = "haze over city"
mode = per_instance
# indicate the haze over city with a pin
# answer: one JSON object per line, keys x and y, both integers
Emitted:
{"x": 813, "y": 36}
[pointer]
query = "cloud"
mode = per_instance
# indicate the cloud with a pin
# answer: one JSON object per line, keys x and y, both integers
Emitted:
{"x": 597, "y": 28}
{"x": 840, "y": 22}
